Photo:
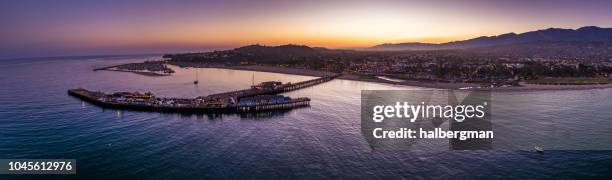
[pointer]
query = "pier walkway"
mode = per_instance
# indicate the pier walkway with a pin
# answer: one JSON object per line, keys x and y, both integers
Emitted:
{"x": 283, "y": 88}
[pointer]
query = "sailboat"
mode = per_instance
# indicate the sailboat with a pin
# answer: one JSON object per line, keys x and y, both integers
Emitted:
{"x": 196, "y": 81}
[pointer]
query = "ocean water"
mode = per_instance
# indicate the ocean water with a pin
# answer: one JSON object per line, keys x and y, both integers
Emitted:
{"x": 39, "y": 120}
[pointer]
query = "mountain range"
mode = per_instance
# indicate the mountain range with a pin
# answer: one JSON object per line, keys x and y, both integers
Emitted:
{"x": 589, "y": 35}
{"x": 590, "y": 41}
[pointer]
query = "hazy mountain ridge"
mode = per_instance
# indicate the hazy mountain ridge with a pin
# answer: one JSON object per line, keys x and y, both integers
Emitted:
{"x": 587, "y": 41}
{"x": 580, "y": 36}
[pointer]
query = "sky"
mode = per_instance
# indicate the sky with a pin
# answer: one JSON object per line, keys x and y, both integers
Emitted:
{"x": 89, "y": 27}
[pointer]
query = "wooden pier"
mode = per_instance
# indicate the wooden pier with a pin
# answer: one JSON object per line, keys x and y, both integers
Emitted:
{"x": 304, "y": 84}
{"x": 283, "y": 88}
{"x": 223, "y": 102}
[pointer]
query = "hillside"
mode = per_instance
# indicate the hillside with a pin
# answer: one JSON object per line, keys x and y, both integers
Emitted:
{"x": 546, "y": 41}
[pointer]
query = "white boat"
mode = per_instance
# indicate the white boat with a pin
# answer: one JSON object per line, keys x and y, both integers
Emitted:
{"x": 538, "y": 149}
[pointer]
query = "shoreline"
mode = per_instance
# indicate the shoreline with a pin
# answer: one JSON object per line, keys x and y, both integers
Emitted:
{"x": 140, "y": 72}
{"x": 144, "y": 73}
{"x": 435, "y": 85}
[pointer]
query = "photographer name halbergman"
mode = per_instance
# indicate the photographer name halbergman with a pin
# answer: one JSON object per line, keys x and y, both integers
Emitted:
{"x": 412, "y": 112}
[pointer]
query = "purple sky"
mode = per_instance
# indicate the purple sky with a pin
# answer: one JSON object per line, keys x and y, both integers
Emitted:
{"x": 66, "y": 28}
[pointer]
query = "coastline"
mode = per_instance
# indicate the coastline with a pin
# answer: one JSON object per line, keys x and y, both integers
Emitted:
{"x": 435, "y": 85}
{"x": 141, "y": 72}
{"x": 144, "y": 73}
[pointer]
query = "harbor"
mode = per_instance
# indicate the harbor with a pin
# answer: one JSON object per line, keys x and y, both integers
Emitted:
{"x": 261, "y": 97}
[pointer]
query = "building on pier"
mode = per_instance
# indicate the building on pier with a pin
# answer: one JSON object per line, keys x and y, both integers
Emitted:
{"x": 267, "y": 85}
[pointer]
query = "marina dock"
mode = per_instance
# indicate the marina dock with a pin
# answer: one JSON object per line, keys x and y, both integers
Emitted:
{"x": 261, "y": 97}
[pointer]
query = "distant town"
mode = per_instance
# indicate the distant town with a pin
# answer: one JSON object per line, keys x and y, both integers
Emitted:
{"x": 437, "y": 66}
{"x": 546, "y": 57}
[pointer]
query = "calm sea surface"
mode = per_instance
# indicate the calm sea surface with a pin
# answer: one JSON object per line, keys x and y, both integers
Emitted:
{"x": 39, "y": 120}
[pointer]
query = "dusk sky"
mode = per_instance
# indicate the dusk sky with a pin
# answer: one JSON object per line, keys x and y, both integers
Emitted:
{"x": 66, "y": 28}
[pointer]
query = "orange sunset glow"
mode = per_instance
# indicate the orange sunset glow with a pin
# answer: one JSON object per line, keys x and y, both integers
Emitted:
{"x": 133, "y": 27}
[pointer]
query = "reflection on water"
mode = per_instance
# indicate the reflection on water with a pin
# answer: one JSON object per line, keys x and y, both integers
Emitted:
{"x": 39, "y": 120}
{"x": 119, "y": 114}
{"x": 263, "y": 115}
